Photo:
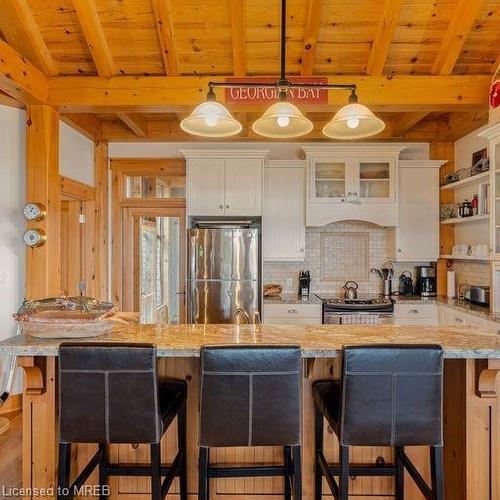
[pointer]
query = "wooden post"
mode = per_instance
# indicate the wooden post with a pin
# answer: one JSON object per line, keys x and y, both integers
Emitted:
{"x": 43, "y": 271}
{"x": 101, "y": 170}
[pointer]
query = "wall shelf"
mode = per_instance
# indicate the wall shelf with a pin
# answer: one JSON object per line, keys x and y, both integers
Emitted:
{"x": 462, "y": 220}
{"x": 473, "y": 179}
{"x": 464, "y": 257}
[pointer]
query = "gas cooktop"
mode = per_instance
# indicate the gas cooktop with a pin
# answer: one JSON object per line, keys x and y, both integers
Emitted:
{"x": 359, "y": 304}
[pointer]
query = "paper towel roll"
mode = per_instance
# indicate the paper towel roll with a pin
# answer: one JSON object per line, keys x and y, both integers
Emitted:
{"x": 450, "y": 284}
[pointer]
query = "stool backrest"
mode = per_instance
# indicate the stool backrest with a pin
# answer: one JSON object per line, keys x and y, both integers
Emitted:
{"x": 250, "y": 396}
{"x": 392, "y": 395}
{"x": 108, "y": 393}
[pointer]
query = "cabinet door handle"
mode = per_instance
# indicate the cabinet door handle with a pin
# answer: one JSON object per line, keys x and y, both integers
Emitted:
{"x": 413, "y": 311}
{"x": 460, "y": 321}
{"x": 227, "y": 206}
{"x": 292, "y": 311}
{"x": 221, "y": 207}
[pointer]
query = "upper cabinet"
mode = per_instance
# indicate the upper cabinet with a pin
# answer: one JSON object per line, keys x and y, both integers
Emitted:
{"x": 352, "y": 182}
{"x": 224, "y": 182}
{"x": 283, "y": 212}
{"x": 416, "y": 238}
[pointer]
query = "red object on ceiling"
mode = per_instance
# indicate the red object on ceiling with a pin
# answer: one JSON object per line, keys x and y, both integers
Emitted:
{"x": 495, "y": 94}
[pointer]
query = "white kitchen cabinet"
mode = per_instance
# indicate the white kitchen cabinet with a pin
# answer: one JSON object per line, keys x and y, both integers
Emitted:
{"x": 416, "y": 314}
{"x": 454, "y": 317}
{"x": 224, "y": 182}
{"x": 292, "y": 314}
{"x": 416, "y": 237}
{"x": 352, "y": 183}
{"x": 283, "y": 211}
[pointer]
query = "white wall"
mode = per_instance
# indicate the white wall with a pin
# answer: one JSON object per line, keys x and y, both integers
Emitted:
{"x": 278, "y": 150}
{"x": 467, "y": 145}
{"x": 12, "y": 195}
{"x": 76, "y": 155}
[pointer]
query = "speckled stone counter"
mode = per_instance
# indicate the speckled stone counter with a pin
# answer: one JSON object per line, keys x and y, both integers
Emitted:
{"x": 316, "y": 341}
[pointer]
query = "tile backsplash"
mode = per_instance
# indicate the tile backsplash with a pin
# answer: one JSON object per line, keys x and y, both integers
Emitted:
{"x": 471, "y": 273}
{"x": 335, "y": 254}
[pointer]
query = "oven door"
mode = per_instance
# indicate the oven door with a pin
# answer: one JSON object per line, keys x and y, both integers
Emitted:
{"x": 357, "y": 318}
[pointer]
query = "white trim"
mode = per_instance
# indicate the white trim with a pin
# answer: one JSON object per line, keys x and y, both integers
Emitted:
{"x": 225, "y": 153}
{"x": 421, "y": 163}
{"x": 491, "y": 132}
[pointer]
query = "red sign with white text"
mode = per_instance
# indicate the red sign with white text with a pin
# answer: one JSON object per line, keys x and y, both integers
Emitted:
{"x": 255, "y": 95}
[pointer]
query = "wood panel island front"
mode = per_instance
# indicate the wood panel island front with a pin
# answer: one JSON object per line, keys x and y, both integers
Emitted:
{"x": 471, "y": 407}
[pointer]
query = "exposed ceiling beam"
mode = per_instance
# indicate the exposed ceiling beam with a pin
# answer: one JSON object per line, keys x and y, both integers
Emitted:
{"x": 311, "y": 37}
{"x": 163, "y": 18}
{"x": 88, "y": 17}
{"x": 407, "y": 121}
{"x": 237, "y": 8}
{"x": 21, "y": 32}
{"x": 460, "y": 124}
{"x": 7, "y": 100}
{"x": 20, "y": 79}
{"x": 136, "y": 123}
{"x": 383, "y": 37}
{"x": 179, "y": 93}
{"x": 456, "y": 34}
{"x": 87, "y": 124}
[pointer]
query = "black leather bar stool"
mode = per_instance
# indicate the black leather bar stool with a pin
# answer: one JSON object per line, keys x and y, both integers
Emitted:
{"x": 389, "y": 395}
{"x": 251, "y": 396}
{"x": 111, "y": 393}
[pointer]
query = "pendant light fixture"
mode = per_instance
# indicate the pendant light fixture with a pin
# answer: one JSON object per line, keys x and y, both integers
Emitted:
{"x": 282, "y": 120}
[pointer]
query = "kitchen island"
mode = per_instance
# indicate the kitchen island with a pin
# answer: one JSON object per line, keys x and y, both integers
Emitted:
{"x": 472, "y": 410}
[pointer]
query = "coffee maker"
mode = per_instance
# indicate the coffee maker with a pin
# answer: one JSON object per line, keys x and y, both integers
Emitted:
{"x": 304, "y": 284}
{"x": 425, "y": 281}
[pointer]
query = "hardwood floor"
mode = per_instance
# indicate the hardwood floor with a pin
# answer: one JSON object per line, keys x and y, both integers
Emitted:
{"x": 10, "y": 451}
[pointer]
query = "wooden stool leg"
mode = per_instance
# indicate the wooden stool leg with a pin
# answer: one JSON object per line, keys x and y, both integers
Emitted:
{"x": 64, "y": 468}
{"x": 297, "y": 473}
{"x": 203, "y": 481}
{"x": 437, "y": 472}
{"x": 155, "y": 471}
{"x": 344, "y": 473}
{"x": 288, "y": 473}
{"x": 103, "y": 478}
{"x": 400, "y": 474}
{"x": 181, "y": 429}
{"x": 318, "y": 443}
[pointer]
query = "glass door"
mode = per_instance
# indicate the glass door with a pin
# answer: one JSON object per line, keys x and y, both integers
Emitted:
{"x": 375, "y": 180}
{"x": 330, "y": 180}
{"x": 153, "y": 274}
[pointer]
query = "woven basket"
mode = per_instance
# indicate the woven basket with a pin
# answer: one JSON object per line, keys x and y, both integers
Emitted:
{"x": 69, "y": 317}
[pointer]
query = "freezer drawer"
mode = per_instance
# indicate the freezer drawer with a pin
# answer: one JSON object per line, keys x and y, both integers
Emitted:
{"x": 215, "y": 301}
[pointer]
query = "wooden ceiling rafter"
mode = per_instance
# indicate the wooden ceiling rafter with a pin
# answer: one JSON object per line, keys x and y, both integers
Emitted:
{"x": 164, "y": 28}
{"x": 7, "y": 100}
{"x": 383, "y": 37}
{"x": 21, "y": 31}
{"x": 406, "y": 121}
{"x": 85, "y": 123}
{"x": 455, "y": 37}
{"x": 135, "y": 122}
{"x": 311, "y": 32}
{"x": 93, "y": 31}
{"x": 237, "y": 8}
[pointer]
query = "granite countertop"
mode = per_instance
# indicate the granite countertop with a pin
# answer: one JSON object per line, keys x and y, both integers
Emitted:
{"x": 292, "y": 298}
{"x": 316, "y": 341}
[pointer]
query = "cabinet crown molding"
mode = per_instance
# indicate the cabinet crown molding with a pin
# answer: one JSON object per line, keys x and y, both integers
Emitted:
{"x": 225, "y": 153}
{"x": 359, "y": 150}
{"x": 285, "y": 163}
{"x": 421, "y": 163}
{"x": 491, "y": 132}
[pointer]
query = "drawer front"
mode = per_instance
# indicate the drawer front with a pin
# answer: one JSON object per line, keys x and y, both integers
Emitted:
{"x": 292, "y": 311}
{"x": 416, "y": 311}
{"x": 456, "y": 318}
{"x": 415, "y": 321}
{"x": 288, "y": 320}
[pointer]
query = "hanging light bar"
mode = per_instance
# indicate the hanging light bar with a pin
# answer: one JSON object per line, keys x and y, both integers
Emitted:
{"x": 282, "y": 120}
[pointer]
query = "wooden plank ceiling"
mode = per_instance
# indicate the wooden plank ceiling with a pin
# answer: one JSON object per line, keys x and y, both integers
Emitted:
{"x": 104, "y": 44}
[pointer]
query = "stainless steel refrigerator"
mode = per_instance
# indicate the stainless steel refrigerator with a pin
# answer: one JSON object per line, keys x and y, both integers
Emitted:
{"x": 223, "y": 274}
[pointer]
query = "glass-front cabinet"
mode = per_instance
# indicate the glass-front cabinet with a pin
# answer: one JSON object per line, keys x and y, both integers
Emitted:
{"x": 356, "y": 182}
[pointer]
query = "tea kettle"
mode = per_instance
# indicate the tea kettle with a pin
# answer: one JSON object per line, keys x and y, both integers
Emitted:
{"x": 351, "y": 288}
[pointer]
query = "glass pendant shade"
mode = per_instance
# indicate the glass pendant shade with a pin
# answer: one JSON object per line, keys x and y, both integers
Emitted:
{"x": 353, "y": 121}
{"x": 211, "y": 119}
{"x": 282, "y": 120}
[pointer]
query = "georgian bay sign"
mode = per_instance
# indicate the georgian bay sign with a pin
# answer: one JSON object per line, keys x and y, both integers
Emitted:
{"x": 253, "y": 95}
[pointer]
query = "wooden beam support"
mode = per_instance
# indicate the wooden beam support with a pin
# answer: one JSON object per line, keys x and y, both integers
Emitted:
{"x": 237, "y": 8}
{"x": 20, "y": 79}
{"x": 456, "y": 34}
{"x": 43, "y": 267}
{"x": 311, "y": 31}
{"x": 163, "y": 18}
{"x": 94, "y": 35}
{"x": 87, "y": 124}
{"x": 135, "y": 122}
{"x": 76, "y": 189}
{"x": 383, "y": 37}
{"x": 459, "y": 124}
{"x": 176, "y": 93}
{"x": 19, "y": 28}
{"x": 7, "y": 100}
{"x": 407, "y": 121}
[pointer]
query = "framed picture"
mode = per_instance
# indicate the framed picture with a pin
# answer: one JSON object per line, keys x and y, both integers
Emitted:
{"x": 480, "y": 161}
